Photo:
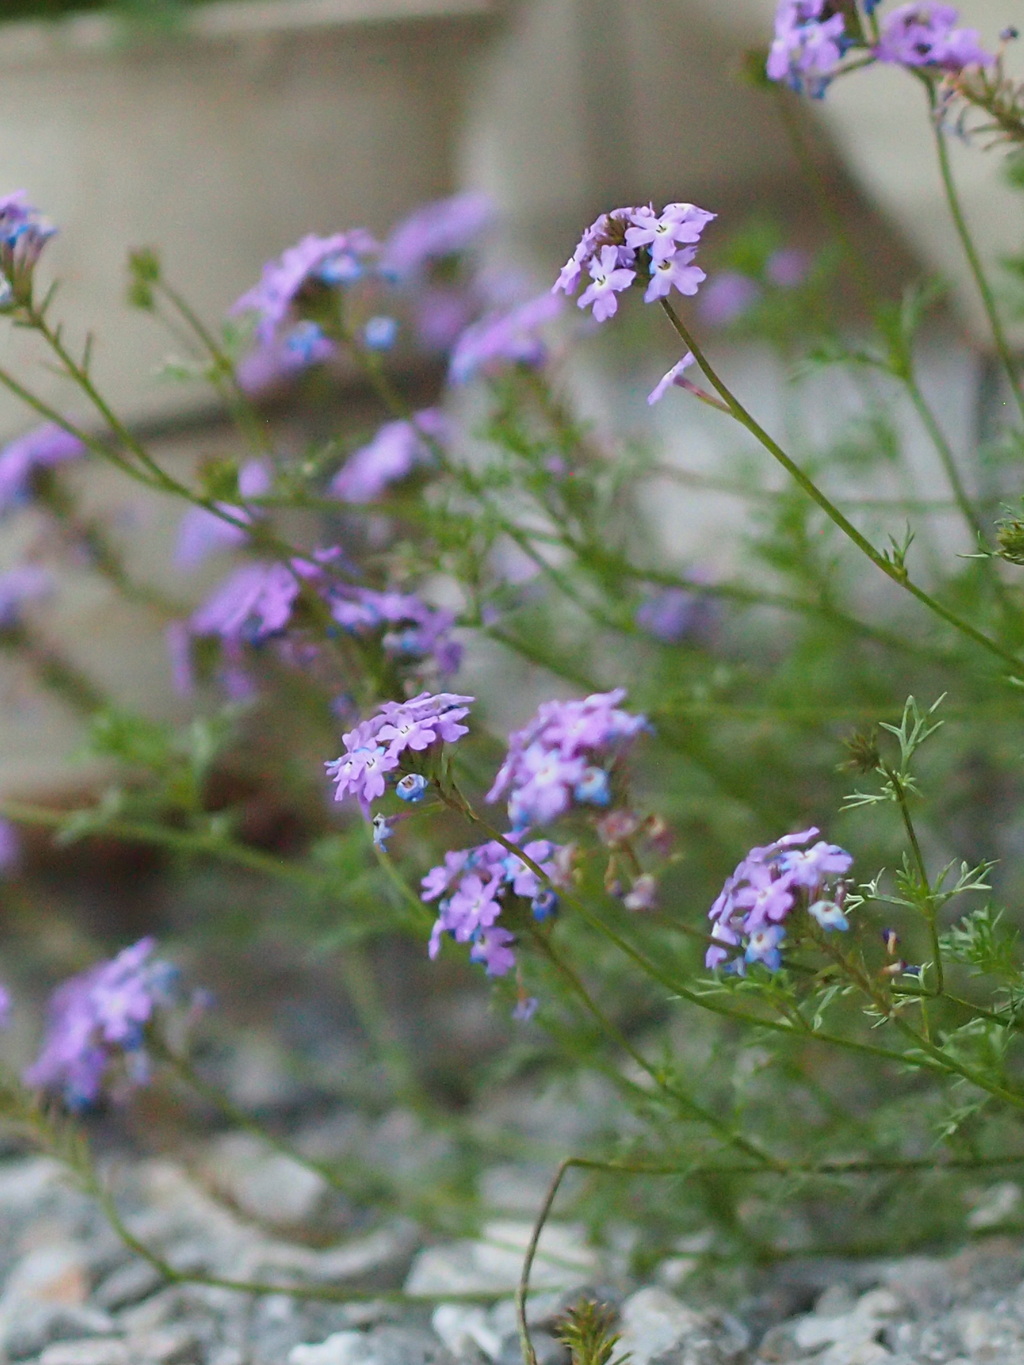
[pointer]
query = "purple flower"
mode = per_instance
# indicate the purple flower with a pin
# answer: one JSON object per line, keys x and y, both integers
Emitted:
{"x": 202, "y": 533}
{"x": 361, "y": 770}
{"x": 254, "y": 602}
{"x": 674, "y": 272}
{"x": 26, "y": 583}
{"x": 670, "y": 377}
{"x": 492, "y": 948}
{"x": 503, "y": 338}
{"x": 763, "y": 946}
{"x": 412, "y": 630}
{"x": 397, "y": 449}
{"x": 643, "y": 893}
{"x": 924, "y": 34}
{"x": 304, "y": 345}
{"x": 412, "y": 788}
{"x": 525, "y": 1008}
{"x": 664, "y": 233}
{"x": 434, "y": 231}
{"x": 98, "y": 1017}
{"x": 23, "y": 234}
{"x": 383, "y": 828}
{"x": 828, "y": 914}
{"x": 608, "y": 279}
{"x": 764, "y": 889}
{"x": 807, "y": 48}
{"x": 5, "y": 1007}
{"x": 41, "y": 448}
{"x": 549, "y": 758}
{"x": 672, "y": 614}
{"x": 728, "y": 296}
{"x": 313, "y": 262}
{"x": 474, "y": 884}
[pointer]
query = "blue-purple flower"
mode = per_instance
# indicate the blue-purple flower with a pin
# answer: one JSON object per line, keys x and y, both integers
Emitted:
{"x": 433, "y": 231}
{"x": 808, "y": 45}
{"x": 925, "y": 34}
{"x": 561, "y": 752}
{"x": 374, "y": 747}
{"x": 42, "y": 448}
{"x": 504, "y": 337}
{"x": 23, "y": 234}
{"x": 473, "y": 885}
{"x": 99, "y": 1019}
{"x": 747, "y": 917}
{"x": 314, "y": 262}
{"x": 399, "y": 448}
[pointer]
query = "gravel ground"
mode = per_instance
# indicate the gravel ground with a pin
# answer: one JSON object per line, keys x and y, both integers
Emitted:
{"x": 72, "y": 1294}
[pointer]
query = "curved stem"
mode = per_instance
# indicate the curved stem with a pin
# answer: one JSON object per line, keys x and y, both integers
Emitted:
{"x": 896, "y": 572}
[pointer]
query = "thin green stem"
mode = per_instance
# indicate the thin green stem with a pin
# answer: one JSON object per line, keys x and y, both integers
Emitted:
{"x": 896, "y": 572}
{"x": 1002, "y": 345}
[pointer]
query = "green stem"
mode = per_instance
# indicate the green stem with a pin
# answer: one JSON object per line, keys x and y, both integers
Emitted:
{"x": 977, "y": 270}
{"x": 895, "y": 572}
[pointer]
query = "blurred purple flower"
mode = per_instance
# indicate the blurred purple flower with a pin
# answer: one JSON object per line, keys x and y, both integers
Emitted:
{"x": 98, "y": 1017}
{"x": 313, "y": 261}
{"x": 787, "y": 267}
{"x": 506, "y": 337}
{"x": 726, "y": 297}
{"x": 808, "y": 45}
{"x": 254, "y": 602}
{"x": 433, "y": 231}
{"x": 23, "y": 234}
{"x": 397, "y": 449}
{"x": 924, "y": 34}
{"x": 673, "y": 614}
{"x": 41, "y": 448}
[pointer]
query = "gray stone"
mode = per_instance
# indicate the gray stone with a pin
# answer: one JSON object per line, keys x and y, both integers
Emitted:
{"x": 167, "y": 1346}
{"x": 263, "y": 1183}
{"x": 342, "y": 1348}
{"x": 656, "y": 1326}
{"x": 128, "y": 1284}
{"x": 494, "y": 1262}
{"x": 29, "y": 1326}
{"x": 92, "y": 1351}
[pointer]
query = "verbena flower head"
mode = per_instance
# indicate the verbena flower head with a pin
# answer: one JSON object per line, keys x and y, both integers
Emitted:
{"x": 675, "y": 614}
{"x": 925, "y": 34}
{"x": 410, "y": 630}
{"x": 23, "y": 234}
{"x": 396, "y": 451}
{"x": 474, "y": 885}
{"x": 506, "y": 337}
{"x": 808, "y": 45}
{"x": 674, "y": 376}
{"x": 434, "y": 231}
{"x": 374, "y": 748}
{"x": 97, "y": 1019}
{"x": 631, "y": 245}
{"x": 26, "y": 583}
{"x": 254, "y": 602}
{"x": 42, "y": 448}
{"x": 560, "y": 750}
{"x": 764, "y": 890}
{"x": 313, "y": 264}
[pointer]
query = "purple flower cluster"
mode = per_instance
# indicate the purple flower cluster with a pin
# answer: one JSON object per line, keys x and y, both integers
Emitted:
{"x": 23, "y": 234}
{"x": 98, "y": 1018}
{"x": 433, "y": 231}
{"x": 397, "y": 449}
{"x": 41, "y": 448}
{"x": 412, "y": 630}
{"x": 808, "y": 45}
{"x": 925, "y": 34}
{"x": 764, "y": 889}
{"x": 811, "y": 39}
{"x": 375, "y": 747}
{"x": 311, "y": 265}
{"x": 504, "y": 337}
{"x": 631, "y": 244}
{"x": 475, "y": 884}
{"x": 560, "y": 757}
{"x": 254, "y": 602}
